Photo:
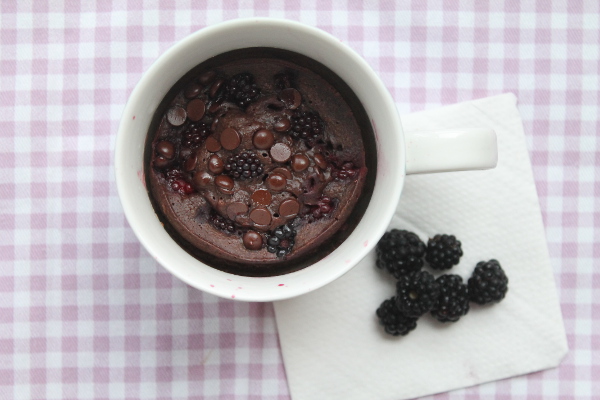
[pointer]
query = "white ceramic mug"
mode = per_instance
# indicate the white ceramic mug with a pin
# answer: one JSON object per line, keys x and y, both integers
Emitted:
{"x": 398, "y": 153}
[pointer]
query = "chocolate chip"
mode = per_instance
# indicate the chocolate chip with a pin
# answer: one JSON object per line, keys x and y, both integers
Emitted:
{"x": 289, "y": 208}
{"x": 190, "y": 162}
{"x": 192, "y": 90}
{"x": 283, "y": 125}
{"x": 283, "y": 171}
{"x": 235, "y": 209}
{"x": 320, "y": 161}
{"x": 215, "y": 164}
{"x": 262, "y": 197}
{"x": 230, "y": 139}
{"x": 212, "y": 144}
{"x": 252, "y": 240}
{"x": 260, "y": 216}
{"x": 215, "y": 106}
{"x": 291, "y": 98}
{"x": 224, "y": 182}
{"x": 196, "y": 109}
{"x": 213, "y": 126}
{"x": 161, "y": 162}
{"x": 207, "y": 77}
{"x": 215, "y": 87}
{"x": 176, "y": 116}
{"x": 166, "y": 149}
{"x": 263, "y": 139}
{"x": 276, "y": 182}
{"x": 300, "y": 162}
{"x": 202, "y": 179}
{"x": 280, "y": 152}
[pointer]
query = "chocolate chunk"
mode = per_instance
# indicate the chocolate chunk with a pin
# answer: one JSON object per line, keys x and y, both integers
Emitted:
{"x": 282, "y": 125}
{"x": 212, "y": 144}
{"x": 196, "y": 109}
{"x": 300, "y": 162}
{"x": 280, "y": 152}
{"x": 215, "y": 164}
{"x": 252, "y": 240}
{"x": 161, "y": 162}
{"x": 289, "y": 208}
{"x": 320, "y": 161}
{"x": 263, "y": 139}
{"x": 224, "y": 182}
{"x": 276, "y": 182}
{"x": 283, "y": 171}
{"x": 207, "y": 77}
{"x": 230, "y": 139}
{"x": 192, "y": 90}
{"x": 260, "y": 216}
{"x": 176, "y": 116}
{"x": 214, "y": 89}
{"x": 235, "y": 209}
{"x": 291, "y": 98}
{"x": 202, "y": 179}
{"x": 190, "y": 162}
{"x": 262, "y": 197}
{"x": 166, "y": 149}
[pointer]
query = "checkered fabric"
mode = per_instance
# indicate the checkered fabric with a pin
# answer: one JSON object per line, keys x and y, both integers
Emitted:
{"x": 86, "y": 313}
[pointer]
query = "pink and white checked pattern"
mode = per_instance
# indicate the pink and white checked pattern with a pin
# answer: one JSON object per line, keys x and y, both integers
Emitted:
{"x": 86, "y": 313}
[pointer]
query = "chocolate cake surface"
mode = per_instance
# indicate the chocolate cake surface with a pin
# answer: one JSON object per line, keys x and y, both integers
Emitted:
{"x": 255, "y": 162}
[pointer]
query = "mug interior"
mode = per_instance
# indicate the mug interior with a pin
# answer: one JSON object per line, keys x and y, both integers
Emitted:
{"x": 232, "y": 35}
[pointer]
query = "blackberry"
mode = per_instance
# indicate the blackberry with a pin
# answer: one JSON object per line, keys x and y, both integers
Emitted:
{"x": 306, "y": 125}
{"x": 241, "y": 89}
{"x": 281, "y": 240}
{"x": 416, "y": 293}
{"x": 488, "y": 283}
{"x": 244, "y": 166}
{"x": 177, "y": 182}
{"x": 394, "y": 322}
{"x": 347, "y": 171}
{"x": 443, "y": 252}
{"x": 285, "y": 79}
{"x": 194, "y": 134}
{"x": 400, "y": 252}
{"x": 453, "y": 300}
{"x": 222, "y": 223}
{"x": 325, "y": 205}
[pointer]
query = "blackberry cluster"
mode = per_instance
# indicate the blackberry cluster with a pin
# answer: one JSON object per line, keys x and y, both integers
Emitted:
{"x": 241, "y": 89}
{"x": 285, "y": 79}
{"x": 346, "y": 172}
{"x": 281, "y": 240}
{"x": 453, "y": 300}
{"x": 416, "y": 293}
{"x": 220, "y": 222}
{"x": 394, "y": 322}
{"x": 194, "y": 134}
{"x": 488, "y": 284}
{"x": 245, "y": 165}
{"x": 400, "y": 252}
{"x": 177, "y": 182}
{"x": 447, "y": 298}
{"x": 306, "y": 125}
{"x": 443, "y": 252}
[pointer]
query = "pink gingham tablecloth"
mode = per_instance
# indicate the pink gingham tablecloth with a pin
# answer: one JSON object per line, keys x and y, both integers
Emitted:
{"x": 86, "y": 313}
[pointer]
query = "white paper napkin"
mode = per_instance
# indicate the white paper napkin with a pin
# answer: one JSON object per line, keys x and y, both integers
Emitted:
{"x": 332, "y": 345}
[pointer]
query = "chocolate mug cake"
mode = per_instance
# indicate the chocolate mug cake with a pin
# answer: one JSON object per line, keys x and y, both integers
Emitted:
{"x": 255, "y": 161}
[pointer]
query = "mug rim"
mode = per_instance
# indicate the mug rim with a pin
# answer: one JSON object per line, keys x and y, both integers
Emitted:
{"x": 385, "y": 211}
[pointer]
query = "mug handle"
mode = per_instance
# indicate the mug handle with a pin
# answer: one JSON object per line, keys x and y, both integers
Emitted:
{"x": 450, "y": 150}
